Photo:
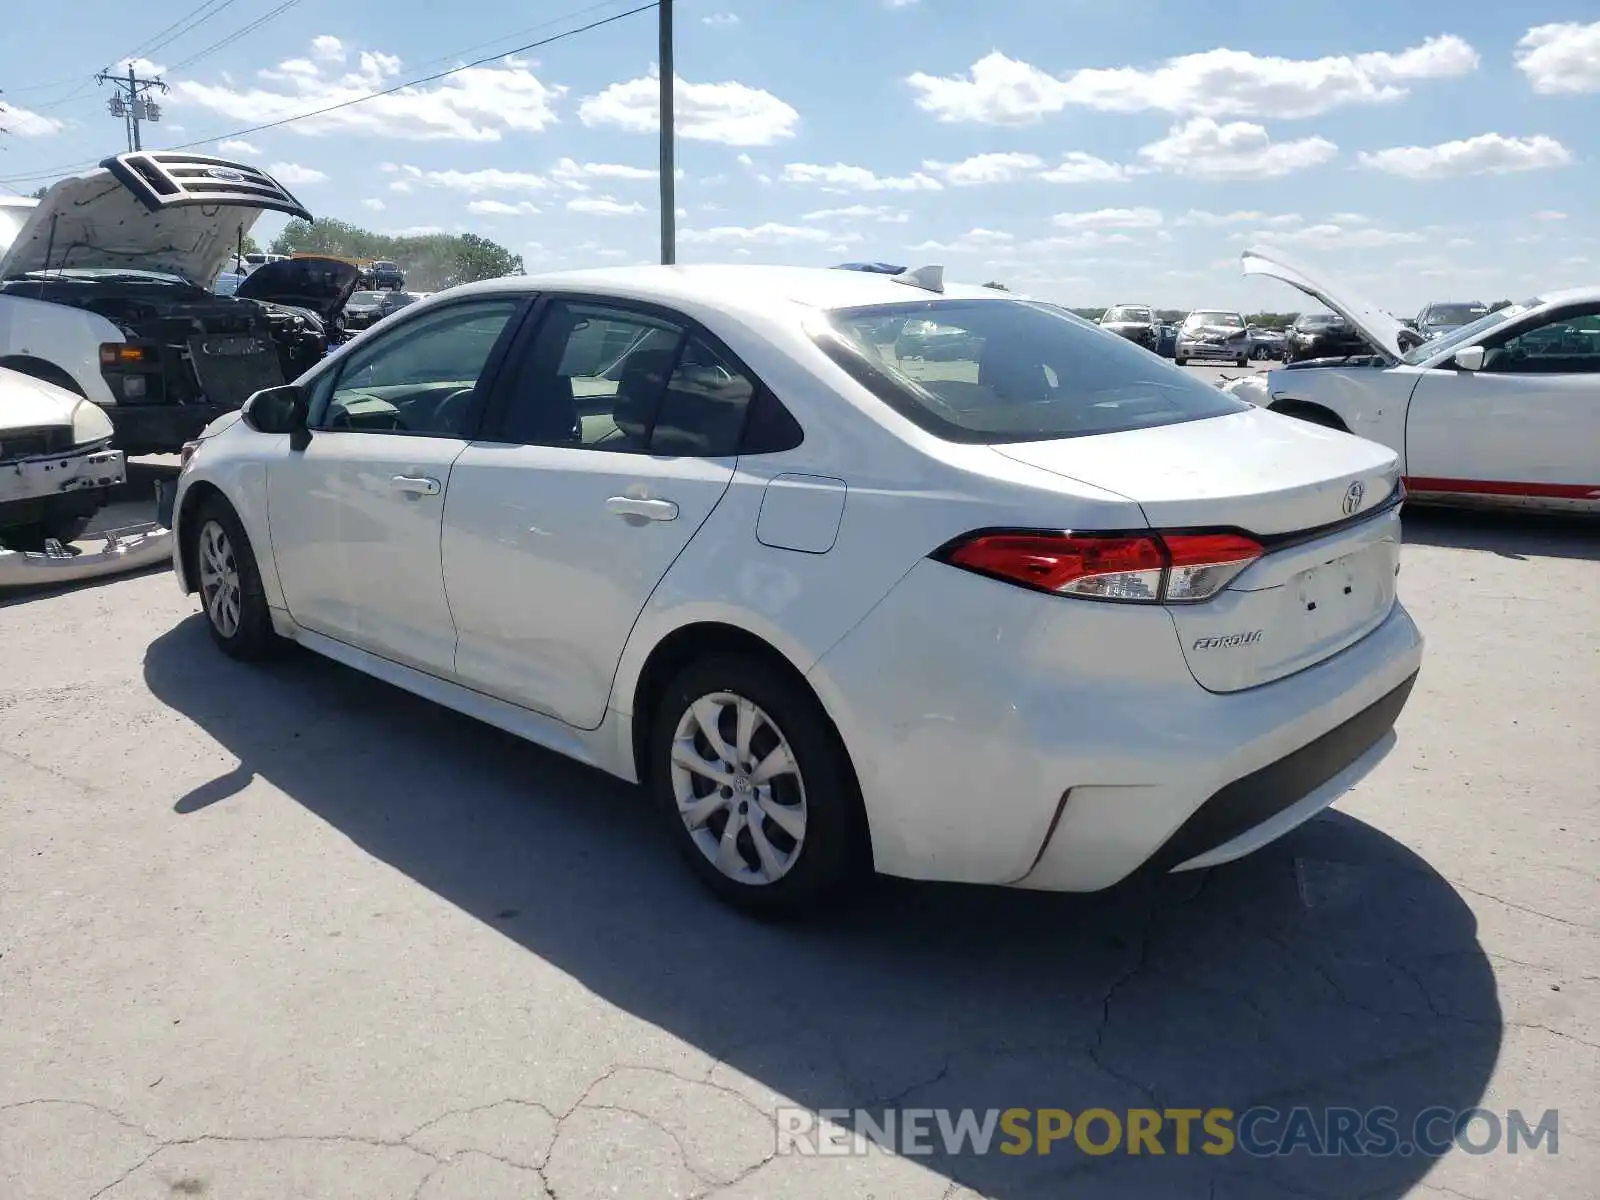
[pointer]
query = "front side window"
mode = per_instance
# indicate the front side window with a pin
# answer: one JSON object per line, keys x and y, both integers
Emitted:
{"x": 1012, "y": 371}
{"x": 419, "y": 378}
{"x": 1569, "y": 345}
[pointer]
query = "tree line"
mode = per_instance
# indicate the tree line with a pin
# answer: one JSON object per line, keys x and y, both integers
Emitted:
{"x": 432, "y": 262}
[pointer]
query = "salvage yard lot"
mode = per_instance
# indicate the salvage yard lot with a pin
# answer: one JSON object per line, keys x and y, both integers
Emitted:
{"x": 284, "y": 931}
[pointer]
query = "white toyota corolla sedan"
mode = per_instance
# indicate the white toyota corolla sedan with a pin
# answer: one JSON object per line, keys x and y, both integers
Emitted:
{"x": 1038, "y": 610}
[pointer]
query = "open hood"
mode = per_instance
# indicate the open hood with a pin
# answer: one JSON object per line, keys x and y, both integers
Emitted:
{"x": 323, "y": 285}
{"x": 1387, "y": 335}
{"x": 179, "y": 214}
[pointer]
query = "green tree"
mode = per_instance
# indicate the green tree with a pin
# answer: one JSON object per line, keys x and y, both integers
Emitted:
{"x": 431, "y": 261}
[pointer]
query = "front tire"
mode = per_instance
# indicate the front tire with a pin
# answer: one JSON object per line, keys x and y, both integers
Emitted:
{"x": 1180, "y": 361}
{"x": 229, "y": 581}
{"x": 755, "y": 788}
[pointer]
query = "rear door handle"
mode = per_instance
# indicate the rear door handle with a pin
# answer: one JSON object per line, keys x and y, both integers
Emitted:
{"x": 650, "y": 510}
{"x": 415, "y": 485}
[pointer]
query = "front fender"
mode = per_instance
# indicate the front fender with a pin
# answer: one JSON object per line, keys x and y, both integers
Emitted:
{"x": 1371, "y": 402}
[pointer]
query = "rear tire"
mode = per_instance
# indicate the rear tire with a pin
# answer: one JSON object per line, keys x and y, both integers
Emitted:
{"x": 1242, "y": 361}
{"x": 1182, "y": 362}
{"x": 771, "y": 769}
{"x": 229, "y": 582}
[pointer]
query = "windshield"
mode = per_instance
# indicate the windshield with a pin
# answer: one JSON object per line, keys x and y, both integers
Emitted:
{"x": 365, "y": 298}
{"x": 1124, "y": 312}
{"x": 1011, "y": 371}
{"x": 1227, "y": 319}
{"x": 1453, "y": 314}
{"x": 1319, "y": 321}
{"x": 383, "y": 266}
{"x": 1468, "y": 333}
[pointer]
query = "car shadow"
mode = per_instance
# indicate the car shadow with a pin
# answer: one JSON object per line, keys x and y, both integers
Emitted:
{"x": 1334, "y": 968}
{"x": 1508, "y": 534}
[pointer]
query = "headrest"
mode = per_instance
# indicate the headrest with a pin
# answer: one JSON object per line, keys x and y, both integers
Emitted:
{"x": 644, "y": 379}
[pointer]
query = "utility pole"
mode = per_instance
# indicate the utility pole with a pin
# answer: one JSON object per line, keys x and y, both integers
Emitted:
{"x": 132, "y": 102}
{"x": 669, "y": 170}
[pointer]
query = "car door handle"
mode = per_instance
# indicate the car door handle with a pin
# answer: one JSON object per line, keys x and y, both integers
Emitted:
{"x": 650, "y": 510}
{"x": 415, "y": 485}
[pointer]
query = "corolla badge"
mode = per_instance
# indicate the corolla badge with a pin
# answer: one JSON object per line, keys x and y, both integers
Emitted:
{"x": 1352, "y": 497}
{"x": 226, "y": 174}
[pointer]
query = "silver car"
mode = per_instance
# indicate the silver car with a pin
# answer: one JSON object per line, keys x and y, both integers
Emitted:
{"x": 1213, "y": 335}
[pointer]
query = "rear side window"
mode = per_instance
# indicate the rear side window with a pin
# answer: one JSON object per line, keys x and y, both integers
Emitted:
{"x": 994, "y": 371}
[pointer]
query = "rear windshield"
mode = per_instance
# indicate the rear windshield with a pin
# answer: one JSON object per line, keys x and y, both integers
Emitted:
{"x": 994, "y": 371}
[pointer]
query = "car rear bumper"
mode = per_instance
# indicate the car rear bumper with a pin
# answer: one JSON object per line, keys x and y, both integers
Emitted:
{"x": 998, "y": 742}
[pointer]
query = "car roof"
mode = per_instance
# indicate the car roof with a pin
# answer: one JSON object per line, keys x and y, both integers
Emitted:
{"x": 744, "y": 288}
{"x": 1571, "y": 295}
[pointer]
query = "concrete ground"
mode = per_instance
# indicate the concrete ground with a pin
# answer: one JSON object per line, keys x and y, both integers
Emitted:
{"x": 279, "y": 932}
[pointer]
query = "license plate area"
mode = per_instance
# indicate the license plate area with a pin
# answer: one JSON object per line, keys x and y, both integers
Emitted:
{"x": 229, "y": 368}
{"x": 1334, "y": 595}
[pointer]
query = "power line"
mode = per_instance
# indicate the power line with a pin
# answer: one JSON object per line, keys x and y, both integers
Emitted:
{"x": 237, "y": 34}
{"x": 389, "y": 91}
{"x": 167, "y": 36}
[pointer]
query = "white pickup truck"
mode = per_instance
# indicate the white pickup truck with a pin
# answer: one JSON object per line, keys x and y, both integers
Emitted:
{"x": 105, "y": 291}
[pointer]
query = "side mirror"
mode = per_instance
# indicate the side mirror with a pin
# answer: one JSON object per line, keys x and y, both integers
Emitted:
{"x": 277, "y": 410}
{"x": 1470, "y": 358}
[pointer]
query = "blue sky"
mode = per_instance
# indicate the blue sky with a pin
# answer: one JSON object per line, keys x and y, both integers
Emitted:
{"x": 1081, "y": 151}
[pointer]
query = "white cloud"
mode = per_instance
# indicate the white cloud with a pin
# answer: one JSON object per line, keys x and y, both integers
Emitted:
{"x": 900, "y": 3}
{"x": 1562, "y": 58}
{"x": 859, "y": 212}
{"x": 489, "y": 179}
{"x": 733, "y": 114}
{"x": 374, "y": 204}
{"x": 1549, "y": 214}
{"x": 25, "y": 123}
{"x": 1078, "y": 167}
{"x": 1343, "y": 218}
{"x": 604, "y": 206}
{"x": 1213, "y": 220}
{"x": 141, "y": 66}
{"x": 327, "y": 48}
{"x": 987, "y": 168}
{"x": 1333, "y": 237}
{"x": 401, "y": 186}
{"x": 575, "y": 175}
{"x": 720, "y": 19}
{"x": 417, "y": 231}
{"x": 770, "y": 231}
{"x": 479, "y": 104}
{"x": 1486, "y": 154}
{"x": 974, "y": 241}
{"x": 289, "y": 174}
{"x": 999, "y": 90}
{"x": 842, "y": 178}
{"x": 1203, "y": 149}
{"x": 235, "y": 146}
{"x": 499, "y": 208}
{"x": 1109, "y": 218}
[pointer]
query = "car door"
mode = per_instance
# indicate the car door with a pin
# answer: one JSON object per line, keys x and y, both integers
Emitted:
{"x": 1526, "y": 426}
{"x": 356, "y": 510}
{"x": 614, "y": 434}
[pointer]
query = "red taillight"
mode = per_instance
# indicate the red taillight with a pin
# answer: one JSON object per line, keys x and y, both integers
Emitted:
{"x": 1149, "y": 568}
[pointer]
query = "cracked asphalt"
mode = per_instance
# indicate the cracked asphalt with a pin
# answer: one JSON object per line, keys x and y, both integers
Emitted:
{"x": 283, "y": 932}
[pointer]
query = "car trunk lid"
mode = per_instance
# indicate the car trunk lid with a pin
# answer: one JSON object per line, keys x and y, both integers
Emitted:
{"x": 1322, "y": 505}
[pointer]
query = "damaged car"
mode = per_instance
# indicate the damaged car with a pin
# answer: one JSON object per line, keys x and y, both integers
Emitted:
{"x": 106, "y": 291}
{"x": 1136, "y": 322}
{"x": 1503, "y": 412}
{"x": 57, "y": 466}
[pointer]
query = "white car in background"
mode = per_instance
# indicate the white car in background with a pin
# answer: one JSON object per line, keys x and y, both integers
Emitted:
{"x": 1040, "y": 614}
{"x": 1504, "y": 412}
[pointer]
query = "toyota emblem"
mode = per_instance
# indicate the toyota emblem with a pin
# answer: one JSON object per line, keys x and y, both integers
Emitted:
{"x": 1352, "y": 497}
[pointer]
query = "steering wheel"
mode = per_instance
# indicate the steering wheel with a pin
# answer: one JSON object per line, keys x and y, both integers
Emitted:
{"x": 447, "y": 416}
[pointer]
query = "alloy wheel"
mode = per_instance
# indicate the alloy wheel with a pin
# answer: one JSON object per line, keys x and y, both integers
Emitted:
{"x": 738, "y": 788}
{"x": 219, "y": 579}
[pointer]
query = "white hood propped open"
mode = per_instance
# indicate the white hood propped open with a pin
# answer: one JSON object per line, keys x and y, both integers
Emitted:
{"x": 1386, "y": 335}
{"x": 179, "y": 214}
